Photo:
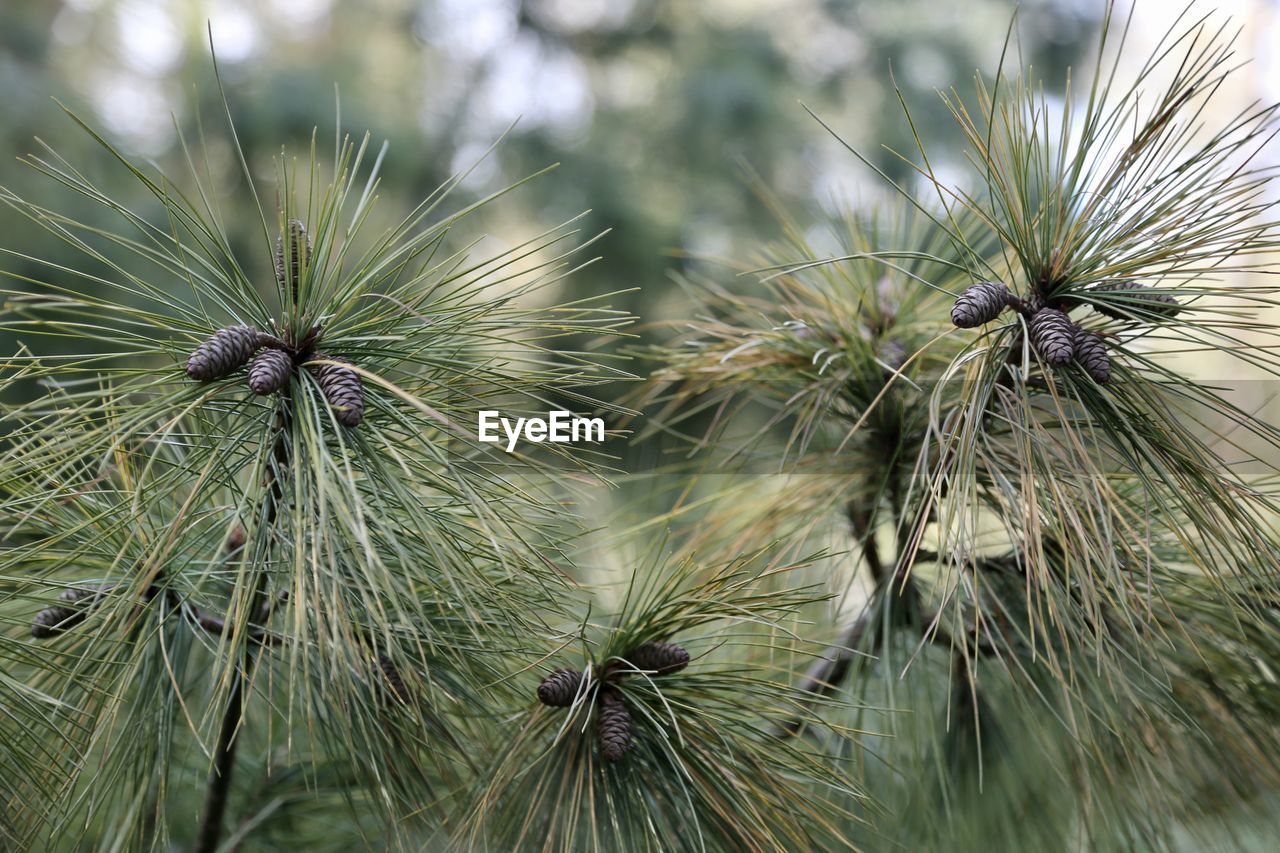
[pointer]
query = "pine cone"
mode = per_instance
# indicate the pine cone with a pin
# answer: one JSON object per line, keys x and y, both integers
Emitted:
{"x": 1053, "y": 336}
{"x": 560, "y": 688}
{"x": 392, "y": 682}
{"x": 270, "y": 371}
{"x": 1091, "y": 354}
{"x": 299, "y": 253}
{"x": 980, "y": 303}
{"x": 227, "y": 350}
{"x": 67, "y": 615}
{"x": 54, "y": 620}
{"x": 660, "y": 658}
{"x": 613, "y": 726}
{"x": 342, "y": 389}
{"x": 1133, "y": 301}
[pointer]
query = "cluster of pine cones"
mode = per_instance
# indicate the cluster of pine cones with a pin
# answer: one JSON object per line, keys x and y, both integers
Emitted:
{"x": 274, "y": 360}
{"x": 1055, "y": 337}
{"x": 613, "y": 719}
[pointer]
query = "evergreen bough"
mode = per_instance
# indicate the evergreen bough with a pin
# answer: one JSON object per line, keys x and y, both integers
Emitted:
{"x": 291, "y": 599}
{"x": 1068, "y": 543}
{"x": 1068, "y": 624}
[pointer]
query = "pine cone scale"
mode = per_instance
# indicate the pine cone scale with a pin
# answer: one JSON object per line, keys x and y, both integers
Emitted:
{"x": 270, "y": 371}
{"x": 980, "y": 303}
{"x": 342, "y": 389}
{"x": 659, "y": 658}
{"x": 560, "y": 688}
{"x": 1091, "y": 354}
{"x": 613, "y": 727}
{"x": 224, "y": 352}
{"x": 1053, "y": 336}
{"x": 393, "y": 683}
{"x": 71, "y": 611}
{"x": 1134, "y": 300}
{"x": 291, "y": 262}
{"x": 55, "y": 620}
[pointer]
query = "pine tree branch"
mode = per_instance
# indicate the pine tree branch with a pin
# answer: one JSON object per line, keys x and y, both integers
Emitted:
{"x": 218, "y": 625}
{"x": 224, "y": 754}
{"x": 827, "y": 672}
{"x": 861, "y": 520}
{"x": 223, "y": 763}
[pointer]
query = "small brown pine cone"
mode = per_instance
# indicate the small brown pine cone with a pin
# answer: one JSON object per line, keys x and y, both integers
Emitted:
{"x": 613, "y": 726}
{"x": 1131, "y": 299}
{"x": 393, "y": 684}
{"x": 55, "y": 620}
{"x": 74, "y": 606}
{"x": 659, "y": 658}
{"x": 560, "y": 688}
{"x": 225, "y": 351}
{"x": 980, "y": 303}
{"x": 342, "y": 389}
{"x": 236, "y": 538}
{"x": 298, "y": 254}
{"x": 1053, "y": 336}
{"x": 270, "y": 371}
{"x": 1091, "y": 354}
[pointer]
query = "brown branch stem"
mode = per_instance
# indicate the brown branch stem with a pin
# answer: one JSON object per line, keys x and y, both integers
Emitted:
{"x": 218, "y": 625}
{"x": 224, "y": 754}
{"x": 826, "y": 673}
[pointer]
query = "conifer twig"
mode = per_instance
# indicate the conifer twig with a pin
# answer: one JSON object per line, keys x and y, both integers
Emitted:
{"x": 827, "y": 672}
{"x": 224, "y": 754}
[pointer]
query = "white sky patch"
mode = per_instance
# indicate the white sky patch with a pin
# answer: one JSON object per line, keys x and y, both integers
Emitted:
{"x": 135, "y": 109}
{"x": 482, "y": 172}
{"x": 70, "y": 26}
{"x": 817, "y": 45}
{"x": 150, "y": 42}
{"x": 299, "y": 20}
{"x": 625, "y": 84}
{"x": 836, "y": 175}
{"x": 575, "y": 16}
{"x": 540, "y": 86}
{"x": 1267, "y": 74}
{"x": 950, "y": 174}
{"x": 469, "y": 29}
{"x": 235, "y": 35}
{"x": 706, "y": 236}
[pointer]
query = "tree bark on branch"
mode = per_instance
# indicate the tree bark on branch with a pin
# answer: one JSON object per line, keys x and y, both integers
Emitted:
{"x": 225, "y": 752}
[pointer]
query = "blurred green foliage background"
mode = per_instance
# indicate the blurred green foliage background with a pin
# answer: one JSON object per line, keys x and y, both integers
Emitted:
{"x": 652, "y": 108}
